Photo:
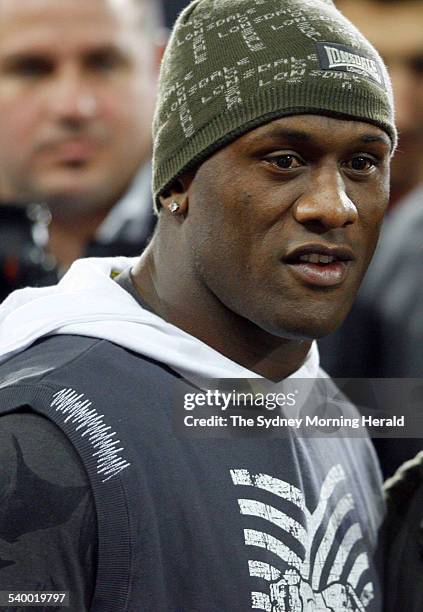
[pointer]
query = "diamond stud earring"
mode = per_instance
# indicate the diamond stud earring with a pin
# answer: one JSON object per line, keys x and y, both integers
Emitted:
{"x": 174, "y": 207}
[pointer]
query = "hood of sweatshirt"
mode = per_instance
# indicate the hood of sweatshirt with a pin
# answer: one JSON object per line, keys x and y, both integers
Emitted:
{"x": 88, "y": 302}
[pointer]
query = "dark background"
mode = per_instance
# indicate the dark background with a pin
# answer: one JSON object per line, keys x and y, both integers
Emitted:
{"x": 172, "y": 8}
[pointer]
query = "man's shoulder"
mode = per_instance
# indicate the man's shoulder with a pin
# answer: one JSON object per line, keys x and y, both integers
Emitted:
{"x": 31, "y": 439}
{"x": 63, "y": 358}
{"x": 335, "y": 394}
{"x": 402, "y": 535}
{"x": 403, "y": 487}
{"x": 48, "y": 522}
{"x": 45, "y": 356}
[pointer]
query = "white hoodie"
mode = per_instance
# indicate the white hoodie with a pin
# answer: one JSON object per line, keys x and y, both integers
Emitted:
{"x": 88, "y": 302}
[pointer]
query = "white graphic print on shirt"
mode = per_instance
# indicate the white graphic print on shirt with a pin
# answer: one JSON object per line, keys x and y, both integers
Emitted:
{"x": 322, "y": 563}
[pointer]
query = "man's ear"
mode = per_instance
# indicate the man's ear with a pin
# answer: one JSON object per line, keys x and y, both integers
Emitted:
{"x": 175, "y": 199}
{"x": 160, "y": 43}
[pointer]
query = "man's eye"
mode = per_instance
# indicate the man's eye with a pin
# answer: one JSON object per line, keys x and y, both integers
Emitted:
{"x": 30, "y": 67}
{"x": 104, "y": 62}
{"x": 287, "y": 161}
{"x": 361, "y": 163}
{"x": 416, "y": 64}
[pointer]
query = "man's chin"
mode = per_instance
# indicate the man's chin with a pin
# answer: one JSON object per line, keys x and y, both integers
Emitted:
{"x": 305, "y": 328}
{"x": 71, "y": 199}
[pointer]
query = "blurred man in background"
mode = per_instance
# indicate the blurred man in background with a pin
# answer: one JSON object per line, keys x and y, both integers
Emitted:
{"x": 77, "y": 92}
{"x": 383, "y": 335}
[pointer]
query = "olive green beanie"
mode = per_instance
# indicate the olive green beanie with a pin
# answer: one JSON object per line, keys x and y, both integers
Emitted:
{"x": 232, "y": 65}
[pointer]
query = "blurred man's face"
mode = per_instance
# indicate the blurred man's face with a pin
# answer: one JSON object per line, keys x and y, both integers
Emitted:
{"x": 77, "y": 85}
{"x": 396, "y": 30}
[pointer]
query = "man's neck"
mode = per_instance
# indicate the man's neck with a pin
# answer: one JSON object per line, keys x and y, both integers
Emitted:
{"x": 68, "y": 237}
{"x": 232, "y": 335}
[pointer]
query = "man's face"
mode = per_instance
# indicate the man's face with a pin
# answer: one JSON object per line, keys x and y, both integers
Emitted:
{"x": 77, "y": 81}
{"x": 396, "y": 30}
{"x": 282, "y": 223}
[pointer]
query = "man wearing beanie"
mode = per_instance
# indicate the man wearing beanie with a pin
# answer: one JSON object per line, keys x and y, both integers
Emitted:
{"x": 273, "y": 134}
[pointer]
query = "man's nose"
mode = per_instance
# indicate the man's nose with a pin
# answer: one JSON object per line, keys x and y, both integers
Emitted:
{"x": 326, "y": 203}
{"x": 70, "y": 97}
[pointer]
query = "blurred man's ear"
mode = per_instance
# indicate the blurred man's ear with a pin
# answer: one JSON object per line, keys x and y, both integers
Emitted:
{"x": 160, "y": 42}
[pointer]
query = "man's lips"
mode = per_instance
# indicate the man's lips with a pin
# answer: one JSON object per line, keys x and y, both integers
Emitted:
{"x": 75, "y": 151}
{"x": 68, "y": 151}
{"x": 320, "y": 265}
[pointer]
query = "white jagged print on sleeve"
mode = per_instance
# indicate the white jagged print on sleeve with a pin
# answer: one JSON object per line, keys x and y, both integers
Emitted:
{"x": 323, "y": 564}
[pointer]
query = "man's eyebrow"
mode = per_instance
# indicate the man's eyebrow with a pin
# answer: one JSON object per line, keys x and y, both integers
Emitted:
{"x": 369, "y": 138}
{"x": 22, "y": 58}
{"x": 282, "y": 134}
{"x": 104, "y": 48}
{"x": 298, "y": 136}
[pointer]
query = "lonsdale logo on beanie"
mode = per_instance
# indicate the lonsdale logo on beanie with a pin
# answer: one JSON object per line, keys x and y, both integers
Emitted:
{"x": 346, "y": 59}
